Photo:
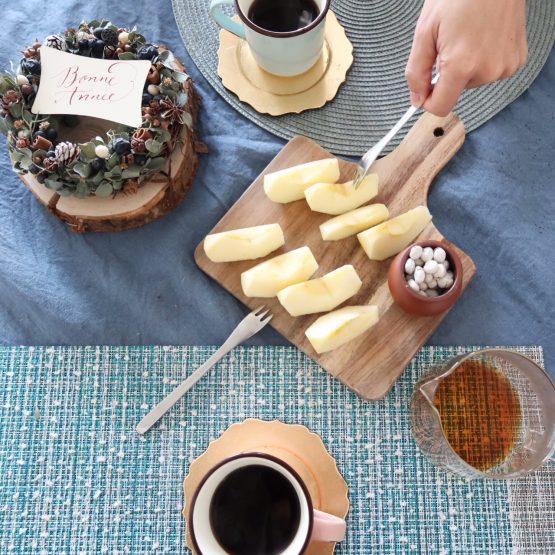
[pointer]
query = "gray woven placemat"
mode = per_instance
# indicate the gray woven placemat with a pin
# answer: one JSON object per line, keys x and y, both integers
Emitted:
{"x": 375, "y": 94}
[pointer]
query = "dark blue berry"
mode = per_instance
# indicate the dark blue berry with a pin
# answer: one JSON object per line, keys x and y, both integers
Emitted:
{"x": 91, "y": 43}
{"x": 140, "y": 159}
{"x": 121, "y": 146}
{"x": 30, "y": 65}
{"x": 147, "y": 52}
{"x": 40, "y": 133}
{"x": 109, "y": 36}
{"x": 51, "y": 154}
{"x": 159, "y": 97}
{"x": 147, "y": 97}
{"x": 98, "y": 164}
{"x": 98, "y": 32}
{"x": 83, "y": 44}
{"x": 34, "y": 169}
{"x": 98, "y": 48}
{"x": 51, "y": 134}
{"x": 41, "y": 178}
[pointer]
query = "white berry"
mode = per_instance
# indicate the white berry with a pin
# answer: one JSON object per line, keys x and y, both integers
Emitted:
{"x": 449, "y": 275}
{"x": 431, "y": 267}
{"x": 441, "y": 271}
{"x": 423, "y": 286}
{"x": 416, "y": 252}
{"x": 410, "y": 266}
{"x": 22, "y": 134}
{"x": 432, "y": 284}
{"x": 439, "y": 254}
{"x": 432, "y": 293}
{"x": 449, "y": 283}
{"x": 413, "y": 285}
{"x": 153, "y": 90}
{"x": 123, "y": 37}
{"x": 21, "y": 80}
{"x": 102, "y": 151}
{"x": 427, "y": 254}
{"x": 419, "y": 275}
{"x": 445, "y": 264}
{"x": 428, "y": 278}
{"x": 442, "y": 282}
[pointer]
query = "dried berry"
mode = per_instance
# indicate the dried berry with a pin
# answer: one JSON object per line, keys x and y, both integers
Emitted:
{"x": 22, "y": 143}
{"x": 109, "y": 36}
{"x": 30, "y": 65}
{"x": 153, "y": 76}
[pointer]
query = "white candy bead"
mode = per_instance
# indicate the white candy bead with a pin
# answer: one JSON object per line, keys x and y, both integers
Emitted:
{"x": 153, "y": 90}
{"x": 439, "y": 254}
{"x": 449, "y": 283}
{"x": 419, "y": 262}
{"x": 21, "y": 80}
{"x": 423, "y": 293}
{"x": 22, "y": 134}
{"x": 442, "y": 282}
{"x": 432, "y": 293}
{"x": 441, "y": 271}
{"x": 427, "y": 254}
{"x": 445, "y": 264}
{"x": 428, "y": 278}
{"x": 123, "y": 37}
{"x": 432, "y": 284}
{"x": 449, "y": 275}
{"x": 413, "y": 285}
{"x": 431, "y": 267}
{"x": 410, "y": 266}
{"x": 102, "y": 151}
{"x": 423, "y": 286}
{"x": 416, "y": 252}
{"x": 419, "y": 275}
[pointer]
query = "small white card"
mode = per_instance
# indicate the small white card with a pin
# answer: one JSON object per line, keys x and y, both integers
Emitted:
{"x": 107, "y": 89}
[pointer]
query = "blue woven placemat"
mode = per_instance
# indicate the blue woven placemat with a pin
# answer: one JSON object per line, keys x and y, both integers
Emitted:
{"x": 76, "y": 478}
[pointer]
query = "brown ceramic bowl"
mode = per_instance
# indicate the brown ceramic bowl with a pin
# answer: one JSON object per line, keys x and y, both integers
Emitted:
{"x": 412, "y": 302}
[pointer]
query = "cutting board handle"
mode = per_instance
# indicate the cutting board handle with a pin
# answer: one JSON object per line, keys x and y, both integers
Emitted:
{"x": 427, "y": 148}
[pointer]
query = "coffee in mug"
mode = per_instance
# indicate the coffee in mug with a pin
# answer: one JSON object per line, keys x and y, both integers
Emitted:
{"x": 283, "y": 16}
{"x": 256, "y": 504}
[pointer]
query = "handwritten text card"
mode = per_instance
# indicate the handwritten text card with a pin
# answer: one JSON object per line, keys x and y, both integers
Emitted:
{"x": 107, "y": 89}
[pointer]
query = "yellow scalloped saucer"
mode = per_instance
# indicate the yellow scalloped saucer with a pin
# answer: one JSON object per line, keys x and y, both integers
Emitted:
{"x": 274, "y": 95}
{"x": 294, "y": 444}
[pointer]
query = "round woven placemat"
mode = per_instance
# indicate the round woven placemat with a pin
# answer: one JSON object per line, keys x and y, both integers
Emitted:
{"x": 375, "y": 94}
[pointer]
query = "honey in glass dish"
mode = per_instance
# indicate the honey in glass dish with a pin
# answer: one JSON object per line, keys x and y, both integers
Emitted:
{"x": 480, "y": 414}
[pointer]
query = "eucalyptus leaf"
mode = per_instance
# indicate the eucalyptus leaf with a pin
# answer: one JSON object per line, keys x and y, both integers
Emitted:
{"x": 4, "y": 127}
{"x": 117, "y": 185}
{"x": 16, "y": 110}
{"x": 157, "y": 163}
{"x": 162, "y": 135}
{"x": 113, "y": 161}
{"x": 153, "y": 146}
{"x": 131, "y": 172}
{"x": 182, "y": 98}
{"x": 87, "y": 151}
{"x": 97, "y": 178}
{"x": 65, "y": 192}
{"x": 127, "y": 56}
{"x": 104, "y": 190}
{"x": 84, "y": 170}
{"x": 94, "y": 23}
{"x": 53, "y": 184}
{"x": 25, "y": 162}
{"x": 82, "y": 190}
{"x": 179, "y": 76}
{"x": 187, "y": 120}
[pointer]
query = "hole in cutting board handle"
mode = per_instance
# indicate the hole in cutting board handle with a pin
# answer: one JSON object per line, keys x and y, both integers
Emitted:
{"x": 439, "y": 131}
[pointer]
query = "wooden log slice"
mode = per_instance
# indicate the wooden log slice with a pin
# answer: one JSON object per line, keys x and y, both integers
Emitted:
{"x": 156, "y": 196}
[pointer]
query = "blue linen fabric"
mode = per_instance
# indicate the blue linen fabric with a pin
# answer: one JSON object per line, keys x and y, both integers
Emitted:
{"x": 495, "y": 199}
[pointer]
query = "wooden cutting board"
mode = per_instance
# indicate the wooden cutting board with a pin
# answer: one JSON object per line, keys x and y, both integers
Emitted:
{"x": 371, "y": 363}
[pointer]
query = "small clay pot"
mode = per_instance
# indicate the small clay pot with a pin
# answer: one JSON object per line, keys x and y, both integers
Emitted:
{"x": 42, "y": 143}
{"x": 412, "y": 302}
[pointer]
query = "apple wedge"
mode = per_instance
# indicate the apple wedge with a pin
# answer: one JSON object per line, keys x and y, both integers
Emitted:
{"x": 338, "y": 198}
{"x": 247, "y": 243}
{"x": 271, "y": 276}
{"x": 322, "y": 294}
{"x": 289, "y": 184}
{"x": 340, "y": 326}
{"x": 389, "y": 238}
{"x": 352, "y": 222}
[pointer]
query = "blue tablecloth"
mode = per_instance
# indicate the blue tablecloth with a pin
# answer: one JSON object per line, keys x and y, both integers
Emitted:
{"x": 496, "y": 199}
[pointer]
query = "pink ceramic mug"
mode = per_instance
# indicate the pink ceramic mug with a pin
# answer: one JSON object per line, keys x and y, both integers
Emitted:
{"x": 313, "y": 525}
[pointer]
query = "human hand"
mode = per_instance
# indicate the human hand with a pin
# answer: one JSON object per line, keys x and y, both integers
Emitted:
{"x": 472, "y": 42}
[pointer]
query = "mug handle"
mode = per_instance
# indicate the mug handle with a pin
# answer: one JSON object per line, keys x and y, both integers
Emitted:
{"x": 225, "y": 21}
{"x": 327, "y": 528}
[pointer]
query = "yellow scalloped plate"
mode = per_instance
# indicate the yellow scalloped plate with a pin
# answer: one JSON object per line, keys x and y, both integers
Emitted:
{"x": 294, "y": 444}
{"x": 274, "y": 95}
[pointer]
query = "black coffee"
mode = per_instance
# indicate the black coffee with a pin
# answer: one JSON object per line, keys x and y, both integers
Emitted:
{"x": 281, "y": 16}
{"x": 255, "y": 511}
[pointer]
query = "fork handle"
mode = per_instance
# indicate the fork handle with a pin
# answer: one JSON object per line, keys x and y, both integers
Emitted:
{"x": 168, "y": 402}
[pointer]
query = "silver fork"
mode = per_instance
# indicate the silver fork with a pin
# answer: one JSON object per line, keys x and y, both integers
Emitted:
{"x": 371, "y": 156}
{"x": 249, "y": 326}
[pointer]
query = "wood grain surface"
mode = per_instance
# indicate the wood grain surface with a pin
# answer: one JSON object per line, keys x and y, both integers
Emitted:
{"x": 371, "y": 363}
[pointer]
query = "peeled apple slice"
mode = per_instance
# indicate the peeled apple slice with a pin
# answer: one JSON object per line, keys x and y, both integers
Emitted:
{"x": 269, "y": 277}
{"x": 322, "y": 294}
{"x": 289, "y": 184}
{"x": 338, "y": 198}
{"x": 341, "y": 326}
{"x": 352, "y": 222}
{"x": 243, "y": 244}
{"x": 385, "y": 240}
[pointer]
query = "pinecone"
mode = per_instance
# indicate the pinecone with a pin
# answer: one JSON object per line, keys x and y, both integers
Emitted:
{"x": 130, "y": 187}
{"x": 138, "y": 145}
{"x": 50, "y": 164}
{"x": 55, "y": 41}
{"x": 66, "y": 153}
